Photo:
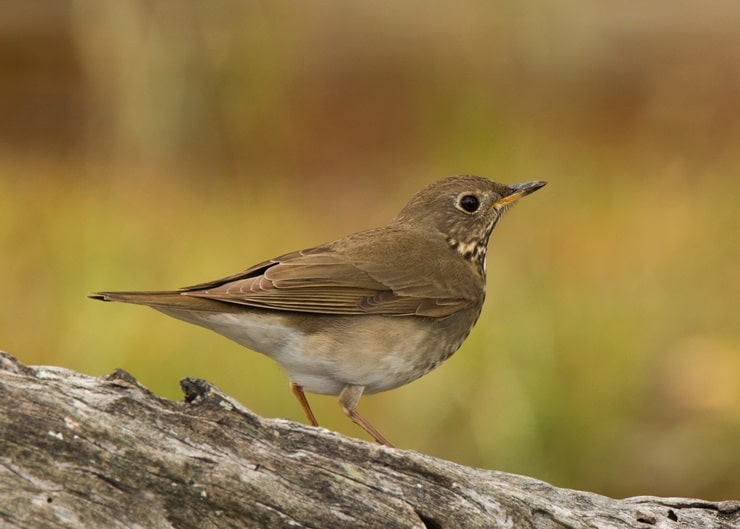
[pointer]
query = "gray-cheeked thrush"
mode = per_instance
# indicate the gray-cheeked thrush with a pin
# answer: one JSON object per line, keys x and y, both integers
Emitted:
{"x": 366, "y": 313}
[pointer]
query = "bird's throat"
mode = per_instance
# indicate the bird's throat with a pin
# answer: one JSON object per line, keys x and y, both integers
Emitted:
{"x": 472, "y": 251}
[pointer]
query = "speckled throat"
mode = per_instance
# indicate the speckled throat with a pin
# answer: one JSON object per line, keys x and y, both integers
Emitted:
{"x": 473, "y": 251}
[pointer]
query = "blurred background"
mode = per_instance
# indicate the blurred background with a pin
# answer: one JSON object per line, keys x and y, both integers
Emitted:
{"x": 152, "y": 145}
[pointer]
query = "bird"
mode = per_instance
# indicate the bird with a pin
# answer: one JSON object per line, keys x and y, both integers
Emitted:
{"x": 366, "y": 313}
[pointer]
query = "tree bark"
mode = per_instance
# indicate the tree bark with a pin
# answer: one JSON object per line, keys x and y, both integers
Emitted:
{"x": 80, "y": 451}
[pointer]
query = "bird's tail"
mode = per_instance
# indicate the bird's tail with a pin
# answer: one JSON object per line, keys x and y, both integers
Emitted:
{"x": 164, "y": 299}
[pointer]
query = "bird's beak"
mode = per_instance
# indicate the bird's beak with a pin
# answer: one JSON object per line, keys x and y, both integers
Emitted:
{"x": 517, "y": 192}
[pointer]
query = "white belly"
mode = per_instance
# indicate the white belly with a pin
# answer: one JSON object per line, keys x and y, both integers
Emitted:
{"x": 334, "y": 352}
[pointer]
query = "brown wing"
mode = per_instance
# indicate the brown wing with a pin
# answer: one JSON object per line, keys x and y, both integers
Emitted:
{"x": 367, "y": 273}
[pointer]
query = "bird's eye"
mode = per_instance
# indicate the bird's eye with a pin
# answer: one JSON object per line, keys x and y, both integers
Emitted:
{"x": 469, "y": 203}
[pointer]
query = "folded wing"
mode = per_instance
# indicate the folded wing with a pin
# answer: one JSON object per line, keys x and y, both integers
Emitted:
{"x": 361, "y": 278}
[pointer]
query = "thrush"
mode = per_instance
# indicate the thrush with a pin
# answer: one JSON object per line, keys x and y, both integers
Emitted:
{"x": 366, "y": 313}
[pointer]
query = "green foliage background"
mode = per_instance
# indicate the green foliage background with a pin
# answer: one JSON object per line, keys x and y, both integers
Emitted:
{"x": 151, "y": 145}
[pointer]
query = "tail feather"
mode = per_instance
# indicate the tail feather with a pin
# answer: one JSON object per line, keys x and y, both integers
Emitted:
{"x": 137, "y": 297}
{"x": 167, "y": 299}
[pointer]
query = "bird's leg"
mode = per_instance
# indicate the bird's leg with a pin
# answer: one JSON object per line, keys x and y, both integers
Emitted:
{"x": 348, "y": 399}
{"x": 298, "y": 392}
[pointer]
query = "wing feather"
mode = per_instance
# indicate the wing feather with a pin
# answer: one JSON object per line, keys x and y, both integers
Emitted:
{"x": 363, "y": 274}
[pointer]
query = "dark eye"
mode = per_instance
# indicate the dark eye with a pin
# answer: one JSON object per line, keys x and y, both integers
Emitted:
{"x": 469, "y": 203}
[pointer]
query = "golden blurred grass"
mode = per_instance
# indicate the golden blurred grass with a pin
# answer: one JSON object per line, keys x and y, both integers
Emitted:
{"x": 608, "y": 354}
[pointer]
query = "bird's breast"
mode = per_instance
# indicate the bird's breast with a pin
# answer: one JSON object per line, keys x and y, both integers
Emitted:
{"x": 323, "y": 353}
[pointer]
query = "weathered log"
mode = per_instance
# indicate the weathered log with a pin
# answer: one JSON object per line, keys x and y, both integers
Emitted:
{"x": 80, "y": 451}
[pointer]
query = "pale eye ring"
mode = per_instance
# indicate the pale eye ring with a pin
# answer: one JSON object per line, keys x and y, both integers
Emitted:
{"x": 469, "y": 203}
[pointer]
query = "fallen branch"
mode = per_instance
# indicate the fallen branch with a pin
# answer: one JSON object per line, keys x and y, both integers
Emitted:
{"x": 79, "y": 451}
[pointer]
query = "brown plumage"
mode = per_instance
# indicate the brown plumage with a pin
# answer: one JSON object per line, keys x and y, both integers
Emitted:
{"x": 366, "y": 313}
